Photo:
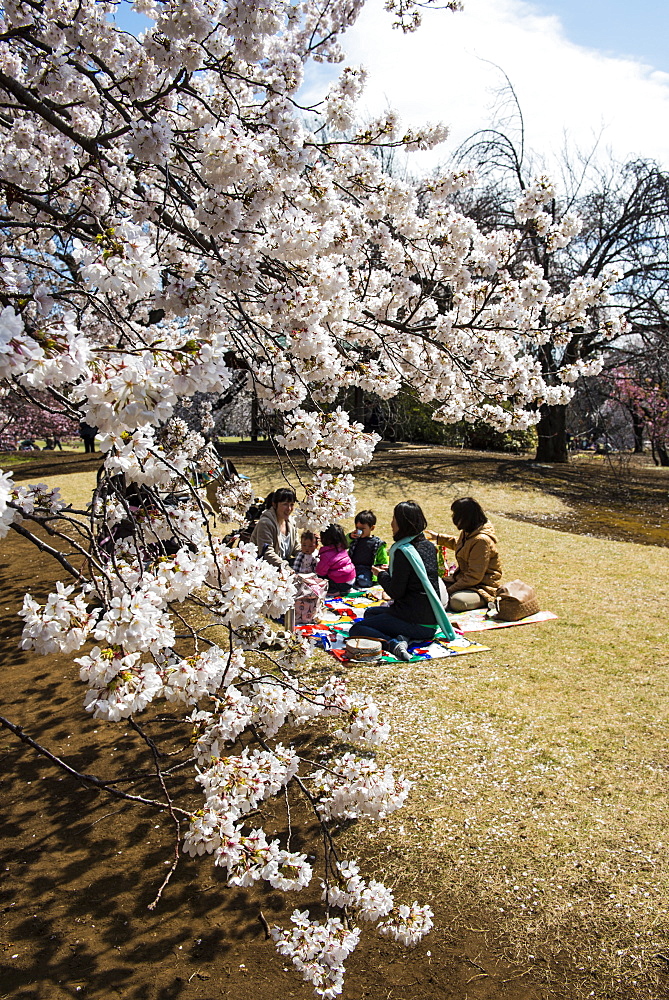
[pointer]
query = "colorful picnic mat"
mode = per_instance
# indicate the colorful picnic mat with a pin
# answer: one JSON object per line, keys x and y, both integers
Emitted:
{"x": 481, "y": 621}
{"x": 333, "y": 639}
{"x": 331, "y": 630}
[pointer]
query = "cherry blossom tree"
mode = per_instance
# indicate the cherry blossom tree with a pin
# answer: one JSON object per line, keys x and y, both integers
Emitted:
{"x": 170, "y": 220}
{"x": 645, "y": 396}
{"x": 34, "y": 417}
{"x": 612, "y": 217}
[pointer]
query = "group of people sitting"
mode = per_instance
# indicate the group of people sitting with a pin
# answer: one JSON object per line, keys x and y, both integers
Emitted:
{"x": 347, "y": 562}
{"x": 408, "y": 573}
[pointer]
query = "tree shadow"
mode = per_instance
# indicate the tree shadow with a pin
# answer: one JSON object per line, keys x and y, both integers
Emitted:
{"x": 604, "y": 498}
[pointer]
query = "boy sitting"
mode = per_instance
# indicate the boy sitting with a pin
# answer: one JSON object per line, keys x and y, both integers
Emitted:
{"x": 365, "y": 549}
{"x": 305, "y": 560}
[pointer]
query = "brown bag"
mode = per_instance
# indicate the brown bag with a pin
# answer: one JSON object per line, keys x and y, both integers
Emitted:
{"x": 516, "y": 600}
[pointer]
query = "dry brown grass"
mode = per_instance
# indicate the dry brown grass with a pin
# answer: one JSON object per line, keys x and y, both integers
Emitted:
{"x": 542, "y": 766}
{"x": 544, "y": 763}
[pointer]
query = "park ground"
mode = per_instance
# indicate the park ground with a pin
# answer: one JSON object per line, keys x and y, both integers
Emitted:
{"x": 537, "y": 828}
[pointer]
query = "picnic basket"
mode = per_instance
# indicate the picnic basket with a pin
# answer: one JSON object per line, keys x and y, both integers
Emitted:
{"x": 516, "y": 600}
{"x": 363, "y": 650}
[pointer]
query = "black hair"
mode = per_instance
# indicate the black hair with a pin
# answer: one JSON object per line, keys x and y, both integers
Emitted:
{"x": 282, "y": 495}
{"x": 411, "y": 520}
{"x": 310, "y": 536}
{"x": 334, "y": 535}
{"x": 366, "y": 517}
{"x": 468, "y": 514}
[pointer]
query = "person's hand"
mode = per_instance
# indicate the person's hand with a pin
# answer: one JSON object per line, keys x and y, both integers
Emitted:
{"x": 431, "y": 535}
{"x": 381, "y": 568}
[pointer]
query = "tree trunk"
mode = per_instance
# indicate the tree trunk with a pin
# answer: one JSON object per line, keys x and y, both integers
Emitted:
{"x": 552, "y": 434}
{"x": 358, "y": 405}
{"x": 254, "y": 418}
{"x": 637, "y": 429}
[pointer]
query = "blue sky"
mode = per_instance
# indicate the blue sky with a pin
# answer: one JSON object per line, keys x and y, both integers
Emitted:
{"x": 127, "y": 19}
{"x": 583, "y": 78}
{"x": 634, "y": 28}
{"x": 637, "y": 29}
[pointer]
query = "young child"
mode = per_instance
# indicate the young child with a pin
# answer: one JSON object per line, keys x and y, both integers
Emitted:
{"x": 306, "y": 559}
{"x": 365, "y": 549}
{"x": 334, "y": 563}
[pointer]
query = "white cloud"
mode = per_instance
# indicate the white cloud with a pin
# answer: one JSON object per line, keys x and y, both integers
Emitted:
{"x": 443, "y": 73}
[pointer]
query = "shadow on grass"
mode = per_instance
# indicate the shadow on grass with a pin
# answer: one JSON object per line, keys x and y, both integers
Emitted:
{"x": 80, "y": 868}
{"x": 608, "y": 498}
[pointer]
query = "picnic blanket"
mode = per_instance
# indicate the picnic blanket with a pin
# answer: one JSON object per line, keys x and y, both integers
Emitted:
{"x": 333, "y": 639}
{"x": 480, "y": 621}
{"x": 331, "y": 630}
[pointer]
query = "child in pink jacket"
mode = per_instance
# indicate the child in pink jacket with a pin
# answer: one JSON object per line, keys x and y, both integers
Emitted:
{"x": 334, "y": 562}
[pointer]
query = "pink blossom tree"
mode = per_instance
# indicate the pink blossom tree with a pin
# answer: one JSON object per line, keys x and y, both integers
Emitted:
{"x": 27, "y": 419}
{"x": 647, "y": 397}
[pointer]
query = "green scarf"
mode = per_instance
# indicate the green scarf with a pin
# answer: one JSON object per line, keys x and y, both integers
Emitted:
{"x": 417, "y": 564}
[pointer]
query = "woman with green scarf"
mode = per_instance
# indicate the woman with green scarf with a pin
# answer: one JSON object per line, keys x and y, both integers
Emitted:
{"x": 416, "y": 613}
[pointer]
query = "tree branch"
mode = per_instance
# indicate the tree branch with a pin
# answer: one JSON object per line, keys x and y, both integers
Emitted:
{"x": 88, "y": 779}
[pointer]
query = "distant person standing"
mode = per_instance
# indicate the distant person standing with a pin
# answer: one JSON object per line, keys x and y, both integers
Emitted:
{"x": 87, "y": 434}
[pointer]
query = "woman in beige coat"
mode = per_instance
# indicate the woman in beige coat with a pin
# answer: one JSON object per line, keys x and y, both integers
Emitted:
{"x": 479, "y": 569}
